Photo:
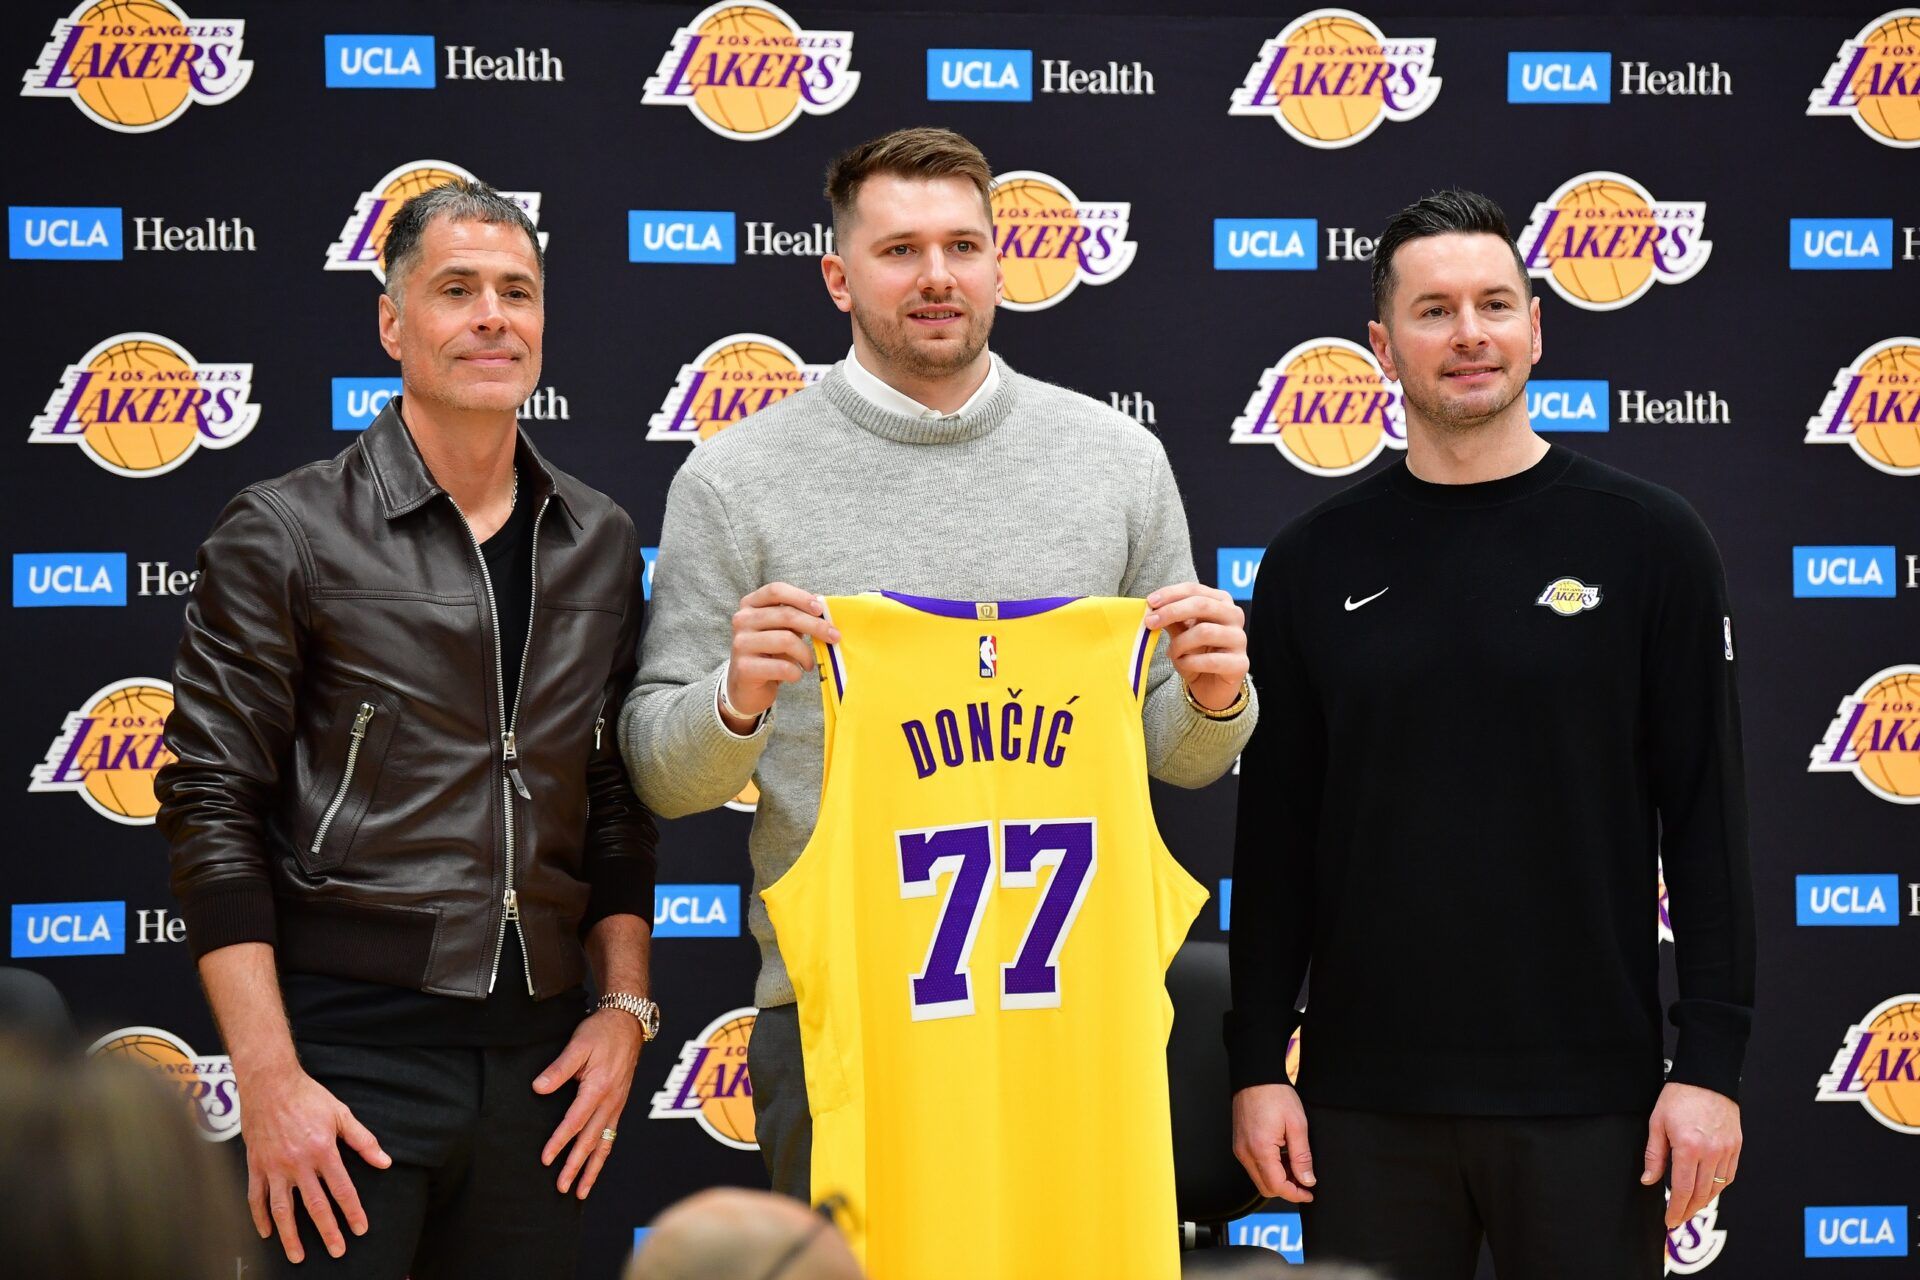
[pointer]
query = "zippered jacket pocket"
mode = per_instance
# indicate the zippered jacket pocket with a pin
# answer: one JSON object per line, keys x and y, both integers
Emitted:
{"x": 358, "y": 754}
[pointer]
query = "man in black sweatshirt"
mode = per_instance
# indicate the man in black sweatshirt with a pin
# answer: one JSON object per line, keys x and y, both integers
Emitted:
{"x": 1499, "y": 681}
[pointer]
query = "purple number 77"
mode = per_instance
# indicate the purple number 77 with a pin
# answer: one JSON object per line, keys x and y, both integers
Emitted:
{"x": 1032, "y": 980}
{"x": 944, "y": 986}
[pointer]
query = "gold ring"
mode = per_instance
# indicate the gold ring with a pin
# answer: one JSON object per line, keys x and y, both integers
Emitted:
{"x": 608, "y": 1135}
{"x": 1720, "y": 1180}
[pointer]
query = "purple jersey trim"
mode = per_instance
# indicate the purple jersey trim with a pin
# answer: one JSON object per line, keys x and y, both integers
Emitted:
{"x": 1006, "y": 609}
{"x": 1140, "y": 657}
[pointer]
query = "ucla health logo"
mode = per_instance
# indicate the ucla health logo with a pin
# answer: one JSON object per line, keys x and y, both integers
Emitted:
{"x": 1840, "y": 244}
{"x": 358, "y": 401}
{"x": 1843, "y": 571}
{"x": 69, "y": 928}
{"x": 1846, "y": 900}
{"x": 380, "y": 62}
{"x": 1236, "y": 570}
{"x": 139, "y": 404}
{"x": 1875, "y": 736}
{"x": 109, "y": 750}
{"x": 696, "y": 911}
{"x": 1694, "y": 1244}
{"x": 1279, "y": 1232}
{"x": 1875, "y": 78}
{"x": 65, "y": 233}
{"x": 734, "y": 378}
{"x": 709, "y": 1083}
{"x": 1051, "y": 241}
{"x": 1331, "y": 77}
{"x": 69, "y": 578}
{"x": 1875, "y": 407}
{"x": 680, "y": 235}
{"x": 1560, "y": 77}
{"x": 205, "y": 1081}
{"x": 746, "y": 70}
{"x": 980, "y": 75}
{"x": 1568, "y": 405}
{"x": 1878, "y": 1065}
{"x": 1266, "y": 244}
{"x": 362, "y": 243}
{"x": 135, "y": 65}
{"x": 1326, "y": 406}
{"x": 1856, "y": 1231}
{"x": 1601, "y": 241}
{"x": 650, "y": 556}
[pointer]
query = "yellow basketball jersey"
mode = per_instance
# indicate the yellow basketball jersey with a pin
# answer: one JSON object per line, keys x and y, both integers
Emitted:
{"x": 978, "y": 933}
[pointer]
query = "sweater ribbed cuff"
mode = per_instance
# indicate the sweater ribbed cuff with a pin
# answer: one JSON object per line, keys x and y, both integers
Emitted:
{"x": 1712, "y": 1045}
{"x": 228, "y": 914}
{"x": 1257, "y": 1046}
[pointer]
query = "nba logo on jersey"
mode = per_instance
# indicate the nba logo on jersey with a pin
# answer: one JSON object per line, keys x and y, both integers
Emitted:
{"x": 989, "y": 657}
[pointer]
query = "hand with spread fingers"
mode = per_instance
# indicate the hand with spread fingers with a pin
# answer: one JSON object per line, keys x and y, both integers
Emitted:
{"x": 602, "y": 1054}
{"x": 1207, "y": 640}
{"x": 1701, "y": 1130}
{"x": 294, "y": 1130}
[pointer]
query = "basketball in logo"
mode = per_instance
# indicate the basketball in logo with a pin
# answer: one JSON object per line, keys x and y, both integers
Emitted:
{"x": 1331, "y": 77}
{"x": 1874, "y": 735}
{"x": 748, "y": 800}
{"x": 110, "y": 750}
{"x": 138, "y": 404}
{"x": 1878, "y": 1066}
{"x": 362, "y": 242}
{"x": 135, "y": 65}
{"x": 1872, "y": 80}
{"x": 1051, "y": 241}
{"x": 1601, "y": 241}
{"x": 205, "y": 1082}
{"x": 1874, "y": 406}
{"x": 710, "y": 1084}
{"x": 747, "y": 70}
{"x": 1326, "y": 406}
{"x": 732, "y": 379}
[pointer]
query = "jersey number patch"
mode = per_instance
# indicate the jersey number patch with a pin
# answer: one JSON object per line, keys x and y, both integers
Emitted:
{"x": 968, "y": 857}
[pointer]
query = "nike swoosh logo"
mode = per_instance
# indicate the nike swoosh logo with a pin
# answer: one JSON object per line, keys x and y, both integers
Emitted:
{"x": 1353, "y": 604}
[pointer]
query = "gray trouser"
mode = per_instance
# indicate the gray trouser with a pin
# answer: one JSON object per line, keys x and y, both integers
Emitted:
{"x": 781, "y": 1121}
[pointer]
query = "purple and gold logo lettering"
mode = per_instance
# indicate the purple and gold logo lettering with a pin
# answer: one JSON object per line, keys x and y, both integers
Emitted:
{"x": 1879, "y": 1065}
{"x": 109, "y": 750}
{"x": 1051, "y": 241}
{"x": 710, "y": 1084}
{"x": 138, "y": 404}
{"x": 1601, "y": 241}
{"x": 1875, "y": 407}
{"x": 362, "y": 242}
{"x": 1326, "y": 406}
{"x": 1875, "y": 736}
{"x": 746, "y": 70}
{"x": 134, "y": 66}
{"x": 734, "y": 378}
{"x": 1875, "y": 78}
{"x": 205, "y": 1081}
{"x": 1331, "y": 77}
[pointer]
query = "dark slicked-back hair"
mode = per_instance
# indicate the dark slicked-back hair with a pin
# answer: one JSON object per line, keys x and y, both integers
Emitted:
{"x": 1449, "y": 212}
{"x": 904, "y": 153}
{"x": 462, "y": 201}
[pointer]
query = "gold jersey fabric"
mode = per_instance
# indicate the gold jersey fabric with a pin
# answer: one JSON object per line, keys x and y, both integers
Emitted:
{"x": 978, "y": 933}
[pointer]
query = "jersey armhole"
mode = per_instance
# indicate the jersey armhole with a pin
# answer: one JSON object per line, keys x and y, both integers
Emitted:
{"x": 1140, "y": 656}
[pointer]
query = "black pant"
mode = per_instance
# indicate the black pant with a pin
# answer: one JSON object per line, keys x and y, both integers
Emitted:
{"x": 466, "y": 1195}
{"x": 782, "y": 1122}
{"x": 1557, "y": 1197}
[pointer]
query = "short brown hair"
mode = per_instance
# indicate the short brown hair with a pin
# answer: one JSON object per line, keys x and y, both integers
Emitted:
{"x": 905, "y": 153}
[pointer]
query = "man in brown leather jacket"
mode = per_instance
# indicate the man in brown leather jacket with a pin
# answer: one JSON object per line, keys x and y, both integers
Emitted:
{"x": 400, "y": 828}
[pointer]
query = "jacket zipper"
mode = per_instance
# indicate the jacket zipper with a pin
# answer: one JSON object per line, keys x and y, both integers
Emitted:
{"x": 346, "y": 779}
{"x": 510, "y": 779}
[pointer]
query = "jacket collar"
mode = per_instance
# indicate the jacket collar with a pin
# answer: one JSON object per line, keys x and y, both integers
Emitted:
{"x": 405, "y": 483}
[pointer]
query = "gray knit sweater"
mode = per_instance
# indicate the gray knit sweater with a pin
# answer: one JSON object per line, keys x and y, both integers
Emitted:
{"x": 1038, "y": 491}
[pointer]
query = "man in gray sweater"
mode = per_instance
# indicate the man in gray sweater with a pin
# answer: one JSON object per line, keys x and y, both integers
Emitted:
{"x": 920, "y": 463}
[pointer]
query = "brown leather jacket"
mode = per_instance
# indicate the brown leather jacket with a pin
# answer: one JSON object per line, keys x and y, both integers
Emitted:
{"x": 347, "y": 788}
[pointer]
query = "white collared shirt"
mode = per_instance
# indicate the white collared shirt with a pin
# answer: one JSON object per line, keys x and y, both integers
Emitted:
{"x": 882, "y": 396}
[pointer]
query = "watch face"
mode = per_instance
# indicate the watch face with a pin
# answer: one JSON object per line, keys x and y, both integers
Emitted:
{"x": 650, "y": 1020}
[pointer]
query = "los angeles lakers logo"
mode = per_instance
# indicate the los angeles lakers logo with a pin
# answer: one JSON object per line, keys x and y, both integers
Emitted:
{"x": 109, "y": 750}
{"x": 1875, "y": 78}
{"x": 135, "y": 65}
{"x": 746, "y": 70}
{"x": 710, "y": 1082}
{"x": 1879, "y": 1065}
{"x": 1327, "y": 407}
{"x": 139, "y": 405}
{"x": 1694, "y": 1244}
{"x": 1331, "y": 77}
{"x": 205, "y": 1081}
{"x": 362, "y": 243}
{"x": 732, "y": 379}
{"x": 1051, "y": 241}
{"x": 1875, "y": 407}
{"x": 1876, "y": 737}
{"x": 1569, "y": 597}
{"x": 1602, "y": 241}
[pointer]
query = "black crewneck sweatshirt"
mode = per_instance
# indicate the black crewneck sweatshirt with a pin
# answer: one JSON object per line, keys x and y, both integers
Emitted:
{"x": 1486, "y": 709}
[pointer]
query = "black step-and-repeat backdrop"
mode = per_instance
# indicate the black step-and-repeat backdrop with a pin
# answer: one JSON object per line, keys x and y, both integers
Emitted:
{"x": 1722, "y": 218}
